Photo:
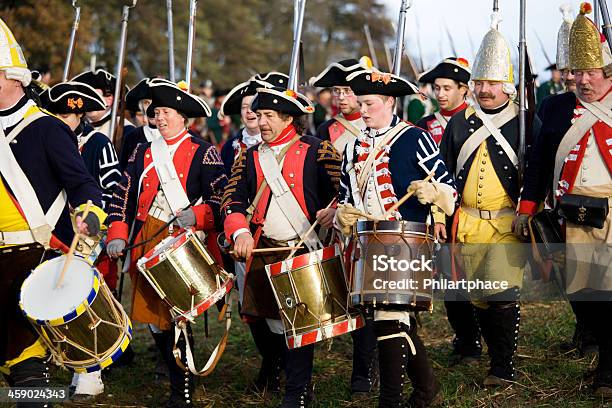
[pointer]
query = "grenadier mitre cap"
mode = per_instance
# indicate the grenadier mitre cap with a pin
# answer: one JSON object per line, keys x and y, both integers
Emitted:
{"x": 563, "y": 37}
{"x": 493, "y": 60}
{"x": 587, "y": 46}
{"x": 12, "y": 61}
{"x": 454, "y": 68}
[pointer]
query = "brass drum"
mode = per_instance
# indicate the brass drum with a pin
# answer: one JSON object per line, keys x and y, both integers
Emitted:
{"x": 83, "y": 325}
{"x": 185, "y": 275}
{"x": 312, "y": 296}
{"x": 393, "y": 264}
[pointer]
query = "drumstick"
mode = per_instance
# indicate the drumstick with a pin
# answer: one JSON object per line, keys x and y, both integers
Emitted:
{"x": 73, "y": 245}
{"x": 404, "y": 198}
{"x": 309, "y": 231}
{"x": 275, "y": 249}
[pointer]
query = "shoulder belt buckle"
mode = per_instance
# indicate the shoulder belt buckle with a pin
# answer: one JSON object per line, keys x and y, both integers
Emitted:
{"x": 485, "y": 214}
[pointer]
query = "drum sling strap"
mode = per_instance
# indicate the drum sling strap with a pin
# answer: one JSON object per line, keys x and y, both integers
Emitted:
{"x": 594, "y": 111}
{"x": 41, "y": 224}
{"x": 345, "y": 137}
{"x": 217, "y": 352}
{"x": 286, "y": 200}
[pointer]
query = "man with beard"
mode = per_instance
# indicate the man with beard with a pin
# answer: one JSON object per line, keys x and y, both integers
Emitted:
{"x": 259, "y": 215}
{"x": 574, "y": 165}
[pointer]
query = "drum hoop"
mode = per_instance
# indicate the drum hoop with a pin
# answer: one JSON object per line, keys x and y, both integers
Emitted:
{"x": 148, "y": 260}
{"x": 75, "y": 312}
{"x": 282, "y": 267}
{"x": 217, "y": 295}
{"x": 353, "y": 322}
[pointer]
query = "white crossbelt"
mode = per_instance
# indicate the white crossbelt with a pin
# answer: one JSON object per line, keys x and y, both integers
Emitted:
{"x": 41, "y": 224}
{"x": 168, "y": 178}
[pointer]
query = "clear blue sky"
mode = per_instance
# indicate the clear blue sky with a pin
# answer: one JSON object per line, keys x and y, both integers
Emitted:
{"x": 471, "y": 18}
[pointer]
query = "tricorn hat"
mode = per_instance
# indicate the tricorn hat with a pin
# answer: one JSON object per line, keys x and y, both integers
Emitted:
{"x": 454, "y": 68}
{"x": 335, "y": 74}
{"x": 233, "y": 100}
{"x": 73, "y": 97}
{"x": 282, "y": 100}
{"x": 136, "y": 94}
{"x": 168, "y": 94}
{"x": 371, "y": 82}
{"x": 98, "y": 79}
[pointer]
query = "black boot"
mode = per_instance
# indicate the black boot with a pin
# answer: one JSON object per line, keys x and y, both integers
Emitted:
{"x": 365, "y": 365}
{"x": 181, "y": 382}
{"x": 393, "y": 351}
{"x": 299, "y": 391}
{"x": 602, "y": 383}
{"x": 467, "y": 347}
{"x": 272, "y": 348}
{"x": 424, "y": 383}
{"x": 584, "y": 339}
{"x": 500, "y": 327}
{"x": 161, "y": 372}
{"x": 32, "y": 372}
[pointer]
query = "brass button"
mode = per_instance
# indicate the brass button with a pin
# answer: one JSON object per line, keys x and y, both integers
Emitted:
{"x": 181, "y": 175}
{"x": 501, "y": 152}
{"x": 291, "y": 175}
{"x": 147, "y": 155}
{"x": 479, "y": 194}
{"x": 484, "y": 162}
{"x": 485, "y": 154}
{"x": 482, "y": 169}
{"x": 298, "y": 152}
{"x": 584, "y": 179}
{"x": 481, "y": 177}
{"x": 480, "y": 186}
{"x": 479, "y": 201}
{"x": 291, "y": 185}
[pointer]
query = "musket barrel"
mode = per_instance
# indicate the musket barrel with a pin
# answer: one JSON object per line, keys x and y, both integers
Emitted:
{"x": 300, "y": 6}
{"x": 75, "y": 28}
{"x": 522, "y": 89}
{"x": 605, "y": 15}
{"x": 190, "y": 44}
{"x": 399, "y": 43}
{"x": 171, "y": 70}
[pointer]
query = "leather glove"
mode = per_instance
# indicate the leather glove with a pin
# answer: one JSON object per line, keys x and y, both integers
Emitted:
{"x": 346, "y": 217}
{"x": 520, "y": 226}
{"x": 92, "y": 221}
{"x": 186, "y": 218}
{"x": 440, "y": 194}
{"x": 425, "y": 192}
{"x": 115, "y": 247}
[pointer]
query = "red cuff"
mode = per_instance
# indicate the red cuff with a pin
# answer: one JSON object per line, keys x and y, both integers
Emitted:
{"x": 205, "y": 219}
{"x": 118, "y": 230}
{"x": 233, "y": 222}
{"x": 528, "y": 207}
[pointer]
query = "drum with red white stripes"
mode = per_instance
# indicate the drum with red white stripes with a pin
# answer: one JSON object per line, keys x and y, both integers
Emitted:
{"x": 312, "y": 295}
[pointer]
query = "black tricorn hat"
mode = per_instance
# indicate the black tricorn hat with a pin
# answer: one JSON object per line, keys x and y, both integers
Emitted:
{"x": 73, "y": 97}
{"x": 370, "y": 82}
{"x": 282, "y": 100}
{"x": 551, "y": 67}
{"x": 457, "y": 69}
{"x": 233, "y": 101}
{"x": 136, "y": 94}
{"x": 167, "y": 94}
{"x": 98, "y": 79}
{"x": 335, "y": 74}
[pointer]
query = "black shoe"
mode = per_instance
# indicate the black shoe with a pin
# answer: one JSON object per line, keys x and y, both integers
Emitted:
{"x": 458, "y": 359}
{"x": 162, "y": 374}
{"x": 424, "y": 399}
{"x": 304, "y": 400}
{"x": 588, "y": 351}
{"x": 493, "y": 381}
{"x": 602, "y": 386}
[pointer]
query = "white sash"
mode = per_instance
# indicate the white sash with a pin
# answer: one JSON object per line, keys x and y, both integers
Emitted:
{"x": 286, "y": 200}
{"x": 151, "y": 134}
{"x": 41, "y": 224}
{"x": 441, "y": 119}
{"x": 168, "y": 178}
{"x": 489, "y": 128}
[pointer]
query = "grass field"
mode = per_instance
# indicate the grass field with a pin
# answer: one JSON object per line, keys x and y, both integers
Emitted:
{"x": 546, "y": 377}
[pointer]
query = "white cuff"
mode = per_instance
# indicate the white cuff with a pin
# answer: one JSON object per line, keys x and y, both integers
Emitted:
{"x": 238, "y": 232}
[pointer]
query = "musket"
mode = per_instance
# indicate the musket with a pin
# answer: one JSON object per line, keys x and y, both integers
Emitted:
{"x": 75, "y": 28}
{"x": 451, "y": 41}
{"x": 471, "y": 40}
{"x": 171, "y": 71}
{"x": 193, "y": 7}
{"x": 388, "y": 56}
{"x": 548, "y": 60}
{"x": 401, "y": 32}
{"x": 298, "y": 20}
{"x": 116, "y": 132}
{"x": 368, "y": 35}
{"x": 495, "y": 5}
{"x": 607, "y": 27}
{"x": 418, "y": 39}
{"x": 522, "y": 90}
{"x": 596, "y": 14}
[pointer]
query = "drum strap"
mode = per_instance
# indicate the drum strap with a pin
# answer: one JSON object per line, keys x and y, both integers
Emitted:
{"x": 216, "y": 353}
{"x": 168, "y": 178}
{"x": 41, "y": 224}
{"x": 286, "y": 200}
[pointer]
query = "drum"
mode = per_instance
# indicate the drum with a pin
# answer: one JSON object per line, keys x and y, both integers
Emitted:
{"x": 84, "y": 326}
{"x": 393, "y": 264}
{"x": 312, "y": 296}
{"x": 185, "y": 275}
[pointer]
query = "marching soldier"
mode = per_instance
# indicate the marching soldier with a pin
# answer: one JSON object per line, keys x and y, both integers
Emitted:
{"x": 480, "y": 146}
{"x": 449, "y": 80}
{"x": 138, "y": 99}
{"x": 40, "y": 166}
{"x": 145, "y": 204}
{"x": 407, "y": 156}
{"x": 104, "y": 83}
{"x": 575, "y": 166}
{"x": 310, "y": 169}
{"x": 238, "y": 101}
{"x": 342, "y": 130}
{"x": 553, "y": 86}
